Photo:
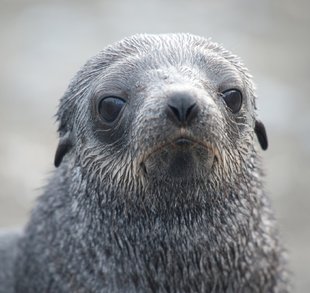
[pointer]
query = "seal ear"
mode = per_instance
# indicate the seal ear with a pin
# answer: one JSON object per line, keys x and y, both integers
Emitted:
{"x": 64, "y": 146}
{"x": 261, "y": 134}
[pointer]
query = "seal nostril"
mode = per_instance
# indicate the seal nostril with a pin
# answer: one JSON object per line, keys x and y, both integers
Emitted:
{"x": 175, "y": 112}
{"x": 191, "y": 111}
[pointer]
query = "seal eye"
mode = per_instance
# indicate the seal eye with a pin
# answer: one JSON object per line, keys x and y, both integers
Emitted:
{"x": 110, "y": 107}
{"x": 233, "y": 99}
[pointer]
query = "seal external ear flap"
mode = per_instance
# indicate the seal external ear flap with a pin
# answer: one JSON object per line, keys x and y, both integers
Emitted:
{"x": 64, "y": 146}
{"x": 261, "y": 134}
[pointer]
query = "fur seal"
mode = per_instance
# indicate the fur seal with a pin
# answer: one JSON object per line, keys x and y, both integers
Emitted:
{"x": 159, "y": 181}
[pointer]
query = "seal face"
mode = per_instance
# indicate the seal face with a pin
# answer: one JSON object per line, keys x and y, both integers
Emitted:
{"x": 161, "y": 110}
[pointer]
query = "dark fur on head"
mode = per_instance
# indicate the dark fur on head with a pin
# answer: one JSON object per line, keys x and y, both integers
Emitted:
{"x": 144, "y": 204}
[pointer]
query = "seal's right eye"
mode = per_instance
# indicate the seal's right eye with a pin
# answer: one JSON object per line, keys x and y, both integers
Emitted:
{"x": 109, "y": 108}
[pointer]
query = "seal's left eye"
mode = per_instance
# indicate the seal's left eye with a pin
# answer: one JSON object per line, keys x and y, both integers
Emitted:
{"x": 110, "y": 107}
{"x": 233, "y": 99}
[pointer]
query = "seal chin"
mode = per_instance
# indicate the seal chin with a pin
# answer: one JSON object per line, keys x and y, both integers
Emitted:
{"x": 182, "y": 158}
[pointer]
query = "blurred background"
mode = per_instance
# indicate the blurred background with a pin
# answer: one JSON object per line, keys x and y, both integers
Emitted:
{"x": 43, "y": 44}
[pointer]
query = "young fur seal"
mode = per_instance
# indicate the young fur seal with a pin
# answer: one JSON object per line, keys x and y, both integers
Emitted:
{"x": 159, "y": 183}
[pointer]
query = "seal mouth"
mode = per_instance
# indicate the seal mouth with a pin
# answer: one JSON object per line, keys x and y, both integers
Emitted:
{"x": 181, "y": 143}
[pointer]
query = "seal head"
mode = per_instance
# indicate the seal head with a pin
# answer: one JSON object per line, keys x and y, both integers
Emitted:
{"x": 160, "y": 110}
{"x": 159, "y": 186}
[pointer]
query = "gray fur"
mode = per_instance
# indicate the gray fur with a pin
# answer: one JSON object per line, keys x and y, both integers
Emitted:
{"x": 8, "y": 251}
{"x": 119, "y": 215}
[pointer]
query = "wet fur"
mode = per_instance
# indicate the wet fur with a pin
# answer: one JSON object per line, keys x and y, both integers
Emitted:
{"x": 112, "y": 220}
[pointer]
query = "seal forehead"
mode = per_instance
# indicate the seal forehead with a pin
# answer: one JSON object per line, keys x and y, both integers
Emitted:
{"x": 152, "y": 50}
{"x": 174, "y": 46}
{"x": 165, "y": 56}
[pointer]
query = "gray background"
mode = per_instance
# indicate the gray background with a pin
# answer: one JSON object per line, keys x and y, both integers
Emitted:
{"x": 43, "y": 43}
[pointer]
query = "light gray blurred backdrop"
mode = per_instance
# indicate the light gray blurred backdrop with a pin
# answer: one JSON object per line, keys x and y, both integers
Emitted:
{"x": 43, "y": 44}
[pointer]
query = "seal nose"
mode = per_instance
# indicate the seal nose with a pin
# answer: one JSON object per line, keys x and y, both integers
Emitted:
{"x": 181, "y": 107}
